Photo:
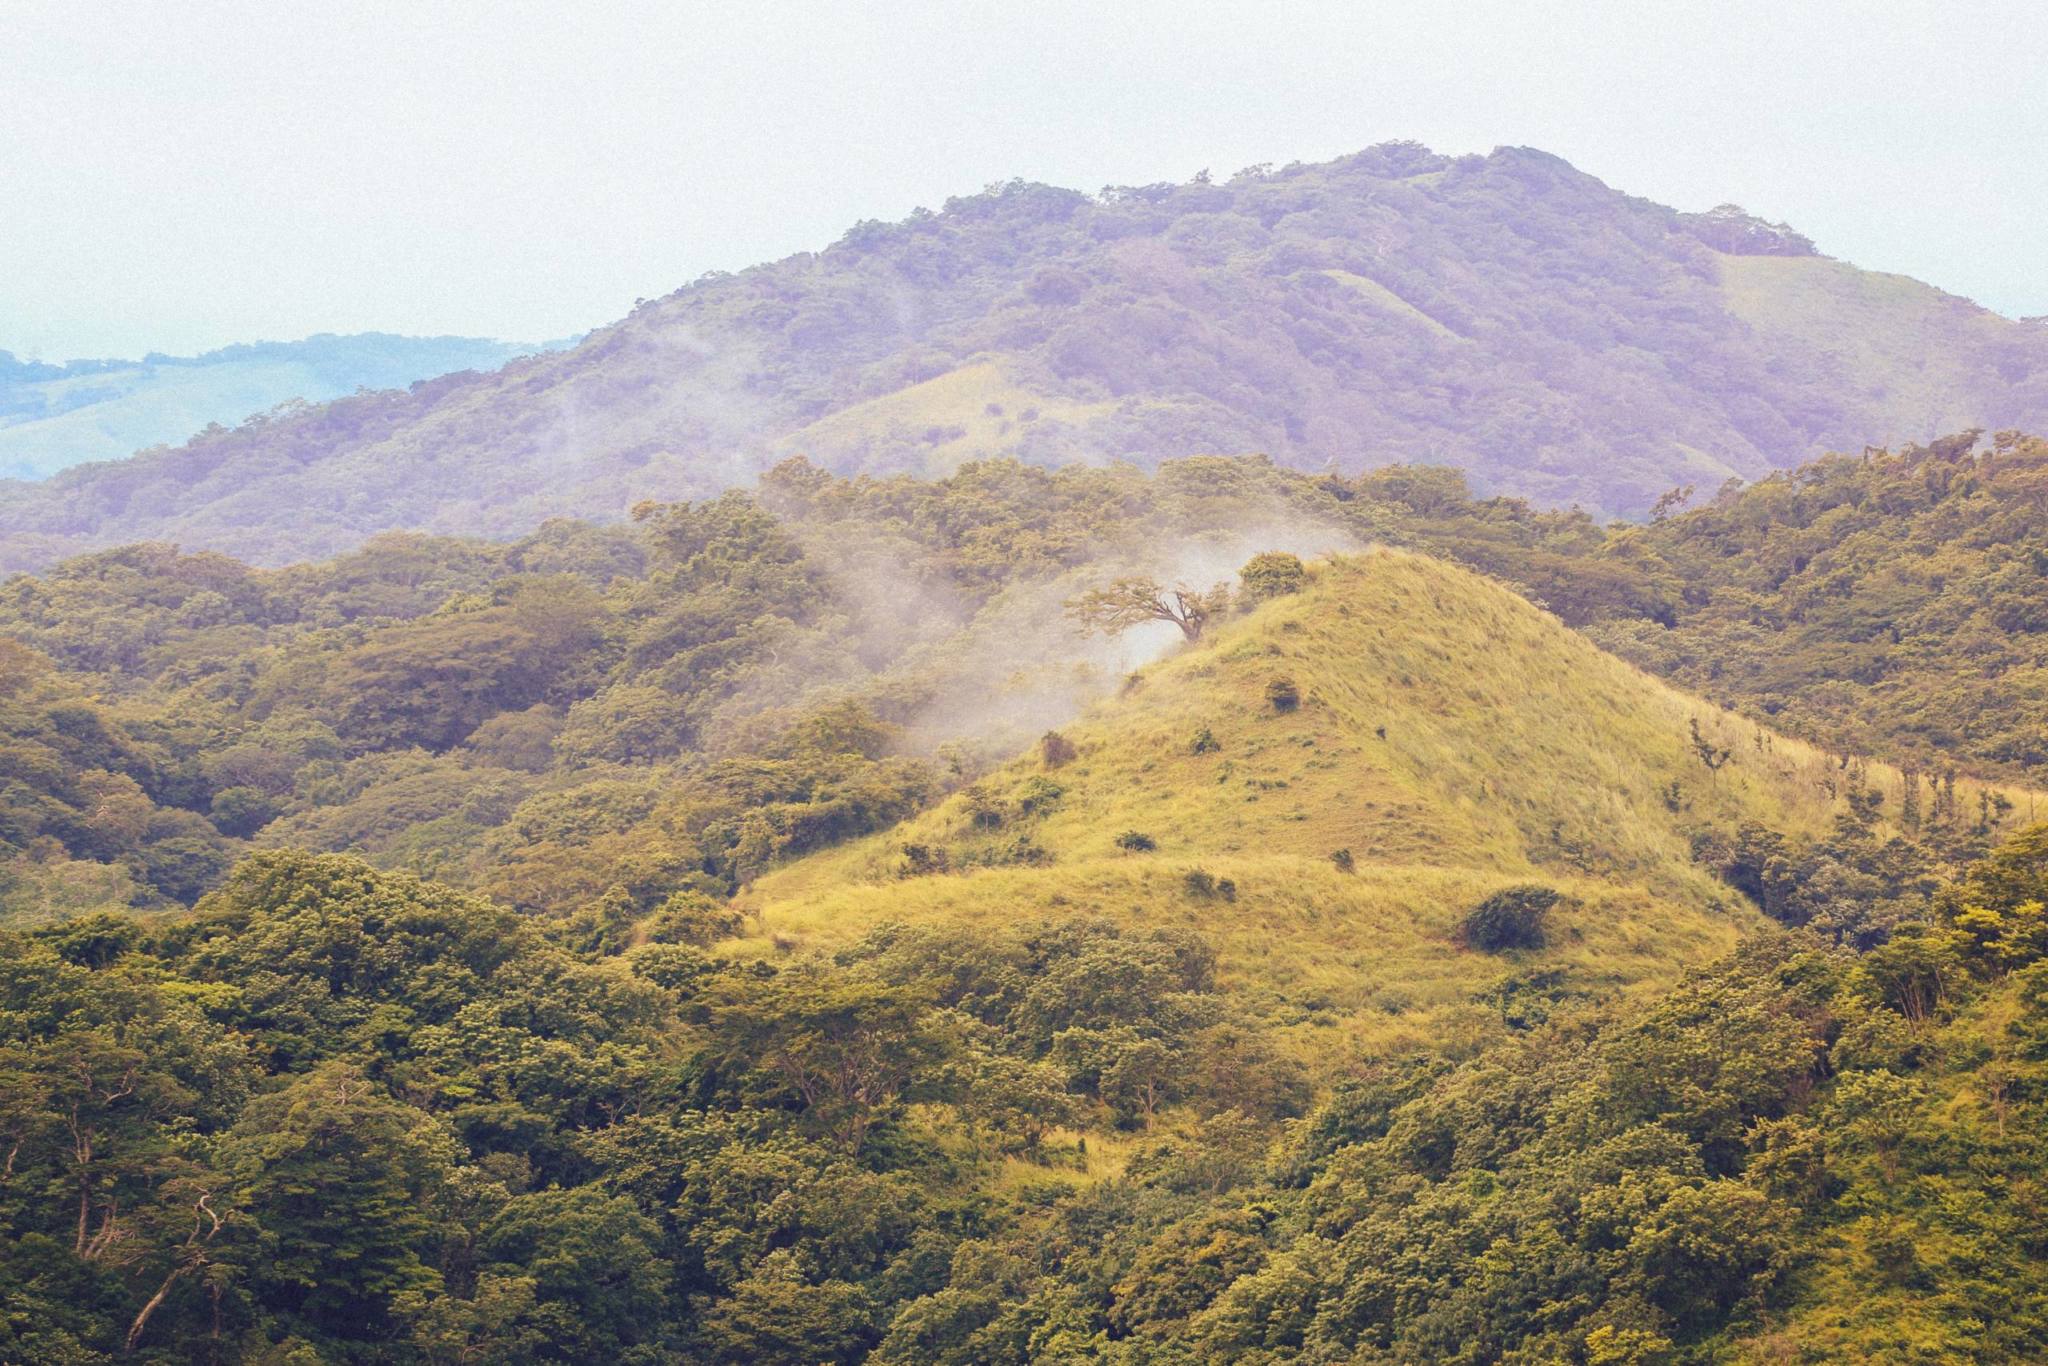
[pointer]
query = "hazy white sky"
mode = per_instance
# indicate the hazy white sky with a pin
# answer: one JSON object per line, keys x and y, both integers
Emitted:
{"x": 178, "y": 175}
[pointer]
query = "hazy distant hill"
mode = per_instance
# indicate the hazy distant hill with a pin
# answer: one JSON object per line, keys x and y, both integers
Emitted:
{"x": 1505, "y": 313}
{"x": 55, "y": 416}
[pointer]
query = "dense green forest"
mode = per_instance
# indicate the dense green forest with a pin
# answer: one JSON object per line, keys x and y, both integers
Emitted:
{"x": 1507, "y": 313}
{"x": 1894, "y": 603}
{"x": 344, "y": 1115}
{"x": 772, "y": 931}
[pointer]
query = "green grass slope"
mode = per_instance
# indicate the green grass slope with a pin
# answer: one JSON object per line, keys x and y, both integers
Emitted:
{"x": 1455, "y": 739}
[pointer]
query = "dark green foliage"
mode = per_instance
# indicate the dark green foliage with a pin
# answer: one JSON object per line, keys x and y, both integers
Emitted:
{"x": 692, "y": 918}
{"x": 839, "y": 1049}
{"x": 386, "y": 1121}
{"x": 1886, "y": 603}
{"x": 1204, "y": 743}
{"x": 1039, "y": 796}
{"x": 922, "y": 859}
{"x": 1272, "y": 575}
{"x": 1851, "y": 885}
{"x": 1526, "y": 1000}
{"x": 1283, "y": 694}
{"x": 1055, "y": 749}
{"x": 1513, "y": 918}
{"x": 242, "y": 811}
{"x": 598, "y": 1290}
{"x": 1136, "y": 842}
{"x": 343, "y": 1183}
{"x": 1205, "y": 886}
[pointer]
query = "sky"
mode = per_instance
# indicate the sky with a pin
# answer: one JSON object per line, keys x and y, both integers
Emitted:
{"x": 175, "y": 177}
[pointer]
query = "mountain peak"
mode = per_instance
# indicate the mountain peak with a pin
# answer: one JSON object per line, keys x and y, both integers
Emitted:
{"x": 1732, "y": 229}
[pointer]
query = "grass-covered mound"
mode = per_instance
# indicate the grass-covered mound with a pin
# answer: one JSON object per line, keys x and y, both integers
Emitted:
{"x": 1445, "y": 742}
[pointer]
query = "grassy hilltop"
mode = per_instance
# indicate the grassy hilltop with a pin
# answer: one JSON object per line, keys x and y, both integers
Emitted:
{"x": 1455, "y": 740}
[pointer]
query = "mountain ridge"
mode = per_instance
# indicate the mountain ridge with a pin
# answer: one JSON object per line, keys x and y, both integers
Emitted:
{"x": 1517, "y": 317}
{"x": 54, "y": 416}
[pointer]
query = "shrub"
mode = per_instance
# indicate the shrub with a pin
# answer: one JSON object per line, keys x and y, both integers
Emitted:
{"x": 1022, "y": 851}
{"x": 692, "y": 918}
{"x": 1342, "y": 858}
{"x": 983, "y": 809}
{"x": 242, "y": 811}
{"x": 1282, "y": 693}
{"x": 1136, "y": 842}
{"x": 1038, "y": 796}
{"x": 675, "y": 966}
{"x": 1509, "y": 919}
{"x": 922, "y": 859}
{"x": 1056, "y": 749}
{"x": 1204, "y": 743}
{"x": 1272, "y": 575}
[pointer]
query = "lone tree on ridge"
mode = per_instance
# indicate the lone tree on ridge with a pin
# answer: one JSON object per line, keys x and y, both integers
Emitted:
{"x": 1134, "y": 601}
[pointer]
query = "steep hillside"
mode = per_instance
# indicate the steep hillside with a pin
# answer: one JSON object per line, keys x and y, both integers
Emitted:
{"x": 1504, "y": 313}
{"x": 1452, "y": 739}
{"x": 55, "y": 416}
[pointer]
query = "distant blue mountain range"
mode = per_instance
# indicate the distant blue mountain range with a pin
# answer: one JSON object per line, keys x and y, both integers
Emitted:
{"x": 55, "y": 416}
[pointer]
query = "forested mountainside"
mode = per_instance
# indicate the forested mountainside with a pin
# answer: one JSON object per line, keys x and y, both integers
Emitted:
{"x": 1320, "y": 995}
{"x": 1506, "y": 313}
{"x": 55, "y": 416}
{"x": 773, "y": 931}
{"x": 1890, "y": 602}
{"x": 341, "y": 1115}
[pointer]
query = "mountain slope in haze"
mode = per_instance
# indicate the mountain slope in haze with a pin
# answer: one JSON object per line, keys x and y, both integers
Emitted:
{"x": 55, "y": 416}
{"x": 1452, "y": 740}
{"x": 1505, "y": 313}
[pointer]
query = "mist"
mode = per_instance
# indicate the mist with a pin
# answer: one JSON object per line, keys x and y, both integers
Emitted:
{"x": 1021, "y": 666}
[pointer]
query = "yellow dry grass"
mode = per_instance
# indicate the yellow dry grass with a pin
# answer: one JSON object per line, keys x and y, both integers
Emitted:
{"x": 974, "y": 412}
{"x": 1456, "y": 739}
{"x": 1387, "y": 301}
